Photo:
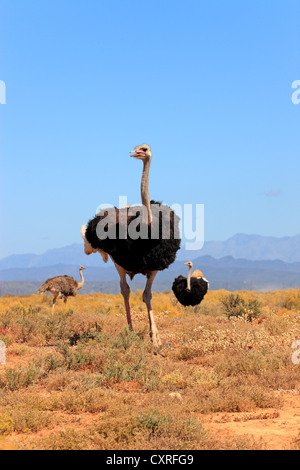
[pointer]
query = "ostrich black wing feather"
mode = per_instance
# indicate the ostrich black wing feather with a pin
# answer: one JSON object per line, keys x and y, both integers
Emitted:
{"x": 193, "y": 297}
{"x": 139, "y": 255}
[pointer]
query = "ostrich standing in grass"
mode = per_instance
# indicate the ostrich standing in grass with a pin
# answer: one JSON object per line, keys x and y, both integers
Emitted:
{"x": 62, "y": 287}
{"x": 145, "y": 254}
{"x": 190, "y": 290}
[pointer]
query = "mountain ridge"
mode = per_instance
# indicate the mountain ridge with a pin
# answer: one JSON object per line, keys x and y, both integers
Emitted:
{"x": 239, "y": 246}
{"x": 251, "y": 262}
{"x": 253, "y": 247}
{"x": 224, "y": 273}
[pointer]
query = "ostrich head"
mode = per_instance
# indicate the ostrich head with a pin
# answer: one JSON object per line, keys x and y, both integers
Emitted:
{"x": 189, "y": 264}
{"x": 142, "y": 152}
{"x": 81, "y": 268}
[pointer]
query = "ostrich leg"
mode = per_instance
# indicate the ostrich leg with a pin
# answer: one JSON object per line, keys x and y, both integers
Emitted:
{"x": 125, "y": 291}
{"x": 53, "y": 302}
{"x": 147, "y": 296}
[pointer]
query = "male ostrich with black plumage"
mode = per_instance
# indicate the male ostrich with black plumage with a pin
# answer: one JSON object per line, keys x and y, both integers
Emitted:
{"x": 62, "y": 287}
{"x": 190, "y": 290}
{"x": 139, "y": 240}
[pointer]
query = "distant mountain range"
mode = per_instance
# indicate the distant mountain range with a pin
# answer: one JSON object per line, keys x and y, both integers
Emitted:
{"x": 71, "y": 254}
{"x": 251, "y": 247}
{"x": 243, "y": 262}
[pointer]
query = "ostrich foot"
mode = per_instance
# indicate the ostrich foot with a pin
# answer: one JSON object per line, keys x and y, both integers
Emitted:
{"x": 155, "y": 338}
{"x": 157, "y": 344}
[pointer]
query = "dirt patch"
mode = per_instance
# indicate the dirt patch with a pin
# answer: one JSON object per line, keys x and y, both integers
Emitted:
{"x": 276, "y": 429}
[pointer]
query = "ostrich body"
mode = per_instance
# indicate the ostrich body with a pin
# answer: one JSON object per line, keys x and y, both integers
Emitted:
{"x": 62, "y": 287}
{"x": 190, "y": 290}
{"x": 133, "y": 255}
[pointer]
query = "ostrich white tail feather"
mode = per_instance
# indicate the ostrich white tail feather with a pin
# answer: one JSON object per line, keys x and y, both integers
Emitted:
{"x": 88, "y": 249}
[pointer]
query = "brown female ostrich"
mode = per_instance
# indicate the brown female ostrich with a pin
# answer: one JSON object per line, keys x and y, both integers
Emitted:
{"x": 153, "y": 250}
{"x": 62, "y": 287}
{"x": 190, "y": 290}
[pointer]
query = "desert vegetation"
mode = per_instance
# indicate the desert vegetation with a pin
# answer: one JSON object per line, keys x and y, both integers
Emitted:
{"x": 79, "y": 379}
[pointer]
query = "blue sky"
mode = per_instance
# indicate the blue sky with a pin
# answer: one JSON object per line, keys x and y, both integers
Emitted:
{"x": 207, "y": 84}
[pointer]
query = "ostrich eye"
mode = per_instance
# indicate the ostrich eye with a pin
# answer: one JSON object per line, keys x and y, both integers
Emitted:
{"x": 144, "y": 149}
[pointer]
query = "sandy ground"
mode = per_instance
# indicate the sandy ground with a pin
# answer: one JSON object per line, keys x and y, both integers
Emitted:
{"x": 276, "y": 429}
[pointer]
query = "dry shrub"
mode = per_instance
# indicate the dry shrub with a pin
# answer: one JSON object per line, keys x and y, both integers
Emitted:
{"x": 71, "y": 401}
{"x": 26, "y": 412}
{"x": 6, "y": 425}
{"x": 71, "y": 380}
{"x": 69, "y": 439}
{"x": 152, "y": 429}
{"x": 175, "y": 381}
{"x": 232, "y": 397}
{"x": 28, "y": 419}
{"x": 251, "y": 362}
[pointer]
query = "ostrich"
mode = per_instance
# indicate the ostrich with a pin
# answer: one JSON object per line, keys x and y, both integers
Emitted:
{"x": 144, "y": 254}
{"x": 62, "y": 287}
{"x": 190, "y": 290}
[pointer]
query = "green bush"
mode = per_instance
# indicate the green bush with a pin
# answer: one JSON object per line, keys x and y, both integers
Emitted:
{"x": 235, "y": 306}
{"x": 6, "y": 425}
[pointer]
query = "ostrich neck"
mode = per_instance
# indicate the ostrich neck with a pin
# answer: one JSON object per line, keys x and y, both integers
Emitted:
{"x": 189, "y": 278}
{"x": 145, "y": 189}
{"x": 80, "y": 284}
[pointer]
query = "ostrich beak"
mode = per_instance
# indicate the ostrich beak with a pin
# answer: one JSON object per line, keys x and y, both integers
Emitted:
{"x": 137, "y": 154}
